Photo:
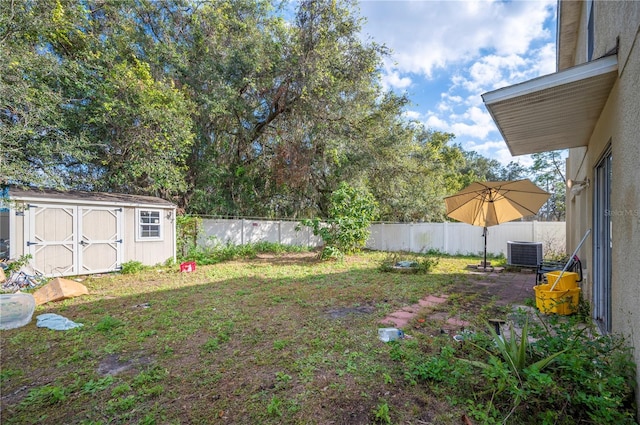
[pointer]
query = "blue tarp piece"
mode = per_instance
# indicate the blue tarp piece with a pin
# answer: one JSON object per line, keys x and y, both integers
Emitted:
{"x": 56, "y": 322}
{"x": 406, "y": 264}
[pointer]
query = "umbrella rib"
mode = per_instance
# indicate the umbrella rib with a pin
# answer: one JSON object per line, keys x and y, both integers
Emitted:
{"x": 479, "y": 195}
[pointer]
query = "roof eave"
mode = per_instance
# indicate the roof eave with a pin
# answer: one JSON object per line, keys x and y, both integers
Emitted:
{"x": 555, "y": 111}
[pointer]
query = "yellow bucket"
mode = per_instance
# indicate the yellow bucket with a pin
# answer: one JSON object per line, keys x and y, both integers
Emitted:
{"x": 563, "y": 302}
{"x": 569, "y": 280}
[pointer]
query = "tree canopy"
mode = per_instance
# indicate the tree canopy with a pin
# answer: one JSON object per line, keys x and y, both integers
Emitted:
{"x": 228, "y": 107}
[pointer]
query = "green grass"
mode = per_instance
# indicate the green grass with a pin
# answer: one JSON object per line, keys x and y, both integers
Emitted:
{"x": 245, "y": 341}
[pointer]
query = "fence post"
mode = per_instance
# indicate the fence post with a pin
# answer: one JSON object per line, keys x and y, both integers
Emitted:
{"x": 445, "y": 237}
{"x": 410, "y": 237}
{"x": 242, "y": 232}
{"x": 533, "y": 230}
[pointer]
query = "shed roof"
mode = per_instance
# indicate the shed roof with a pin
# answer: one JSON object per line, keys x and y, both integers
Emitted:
{"x": 95, "y": 198}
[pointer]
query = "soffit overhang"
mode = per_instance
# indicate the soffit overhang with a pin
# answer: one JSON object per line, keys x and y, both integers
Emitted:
{"x": 555, "y": 111}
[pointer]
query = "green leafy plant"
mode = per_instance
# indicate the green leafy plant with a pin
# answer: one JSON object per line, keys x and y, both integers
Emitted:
{"x": 515, "y": 351}
{"x": 274, "y": 408}
{"x": 346, "y": 230}
{"x": 108, "y": 324}
{"x": 46, "y": 395}
{"x": 187, "y": 230}
{"x": 93, "y": 387}
{"x": 215, "y": 251}
{"x": 132, "y": 267}
{"x": 382, "y": 414}
{"x": 565, "y": 373}
{"x": 16, "y": 265}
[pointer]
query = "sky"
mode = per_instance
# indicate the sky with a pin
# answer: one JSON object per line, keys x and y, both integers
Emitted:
{"x": 446, "y": 54}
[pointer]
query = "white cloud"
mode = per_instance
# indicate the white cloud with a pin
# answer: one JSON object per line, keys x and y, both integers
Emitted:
{"x": 425, "y": 35}
{"x": 460, "y": 50}
{"x": 413, "y": 115}
{"x": 473, "y": 122}
{"x": 392, "y": 80}
{"x": 485, "y": 147}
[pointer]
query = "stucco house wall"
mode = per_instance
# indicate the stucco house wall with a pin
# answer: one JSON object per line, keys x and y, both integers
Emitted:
{"x": 591, "y": 106}
{"x": 618, "y": 128}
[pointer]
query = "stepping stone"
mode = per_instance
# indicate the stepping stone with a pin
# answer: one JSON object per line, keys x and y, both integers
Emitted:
{"x": 394, "y": 321}
{"x": 431, "y": 301}
{"x": 400, "y": 318}
{"x": 454, "y": 321}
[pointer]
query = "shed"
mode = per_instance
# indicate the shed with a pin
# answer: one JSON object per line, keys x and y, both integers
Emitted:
{"x": 71, "y": 233}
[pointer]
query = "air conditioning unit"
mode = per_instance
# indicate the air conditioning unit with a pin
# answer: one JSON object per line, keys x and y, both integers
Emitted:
{"x": 524, "y": 253}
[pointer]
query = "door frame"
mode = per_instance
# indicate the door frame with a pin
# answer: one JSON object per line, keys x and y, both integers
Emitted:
{"x": 602, "y": 241}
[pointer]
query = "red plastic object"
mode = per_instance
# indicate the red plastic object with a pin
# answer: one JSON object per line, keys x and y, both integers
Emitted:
{"x": 188, "y": 266}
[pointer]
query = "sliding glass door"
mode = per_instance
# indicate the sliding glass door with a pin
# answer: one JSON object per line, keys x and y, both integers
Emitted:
{"x": 602, "y": 244}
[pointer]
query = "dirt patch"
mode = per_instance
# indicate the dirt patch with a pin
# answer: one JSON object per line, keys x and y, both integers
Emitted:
{"x": 113, "y": 364}
{"x": 339, "y": 313}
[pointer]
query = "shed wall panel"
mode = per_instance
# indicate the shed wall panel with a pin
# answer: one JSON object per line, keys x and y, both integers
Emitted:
{"x": 148, "y": 252}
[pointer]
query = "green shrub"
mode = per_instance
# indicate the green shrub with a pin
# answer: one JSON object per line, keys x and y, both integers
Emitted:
{"x": 346, "y": 230}
{"x": 132, "y": 267}
{"x": 187, "y": 229}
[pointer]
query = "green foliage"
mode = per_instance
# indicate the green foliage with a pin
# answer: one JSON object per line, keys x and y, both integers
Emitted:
{"x": 216, "y": 252}
{"x": 564, "y": 376}
{"x": 382, "y": 413}
{"x": 150, "y": 376}
{"x": 548, "y": 173}
{"x": 515, "y": 351}
{"x": 274, "y": 408}
{"x": 347, "y": 228}
{"x": 108, "y": 324}
{"x": 102, "y": 384}
{"x": 187, "y": 230}
{"x": 132, "y": 267}
{"x": 6, "y": 374}
{"x": 45, "y": 395}
{"x": 230, "y": 108}
{"x": 16, "y": 265}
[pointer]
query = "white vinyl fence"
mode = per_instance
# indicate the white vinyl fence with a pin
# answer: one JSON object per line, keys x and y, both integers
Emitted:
{"x": 450, "y": 238}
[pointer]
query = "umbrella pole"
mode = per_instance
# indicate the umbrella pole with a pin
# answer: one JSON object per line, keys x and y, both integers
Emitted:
{"x": 484, "y": 264}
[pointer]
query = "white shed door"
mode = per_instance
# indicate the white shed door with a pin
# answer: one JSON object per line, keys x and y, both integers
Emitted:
{"x": 99, "y": 239}
{"x": 51, "y": 239}
{"x": 74, "y": 240}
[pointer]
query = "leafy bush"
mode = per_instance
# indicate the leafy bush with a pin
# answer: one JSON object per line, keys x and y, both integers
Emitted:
{"x": 346, "y": 230}
{"x": 132, "y": 267}
{"x": 187, "y": 229}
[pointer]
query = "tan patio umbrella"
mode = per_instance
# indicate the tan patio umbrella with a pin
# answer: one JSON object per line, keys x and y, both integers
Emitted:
{"x": 491, "y": 203}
